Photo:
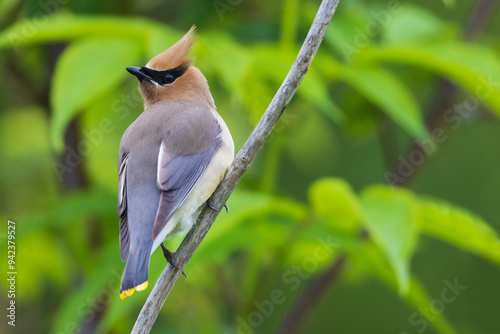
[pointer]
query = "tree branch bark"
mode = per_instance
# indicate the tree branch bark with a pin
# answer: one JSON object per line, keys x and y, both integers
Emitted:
{"x": 240, "y": 165}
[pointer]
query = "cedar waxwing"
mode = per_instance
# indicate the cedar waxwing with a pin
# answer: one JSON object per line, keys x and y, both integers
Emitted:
{"x": 171, "y": 159}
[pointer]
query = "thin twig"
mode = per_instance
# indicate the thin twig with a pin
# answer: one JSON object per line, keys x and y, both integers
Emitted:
{"x": 296, "y": 318}
{"x": 309, "y": 298}
{"x": 241, "y": 163}
{"x": 480, "y": 17}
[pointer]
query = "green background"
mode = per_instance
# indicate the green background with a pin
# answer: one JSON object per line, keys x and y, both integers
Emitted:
{"x": 317, "y": 225}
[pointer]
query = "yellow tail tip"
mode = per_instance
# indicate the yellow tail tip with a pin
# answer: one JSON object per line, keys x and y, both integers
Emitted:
{"x": 142, "y": 286}
{"x": 126, "y": 293}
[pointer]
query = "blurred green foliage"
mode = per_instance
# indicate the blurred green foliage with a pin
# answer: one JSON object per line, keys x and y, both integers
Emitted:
{"x": 371, "y": 111}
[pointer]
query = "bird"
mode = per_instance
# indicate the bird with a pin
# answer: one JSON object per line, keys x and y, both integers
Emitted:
{"x": 170, "y": 160}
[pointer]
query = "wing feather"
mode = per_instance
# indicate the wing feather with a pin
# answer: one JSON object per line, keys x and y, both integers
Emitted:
{"x": 176, "y": 178}
{"x": 122, "y": 209}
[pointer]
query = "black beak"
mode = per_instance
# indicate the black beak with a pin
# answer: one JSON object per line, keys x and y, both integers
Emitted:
{"x": 138, "y": 72}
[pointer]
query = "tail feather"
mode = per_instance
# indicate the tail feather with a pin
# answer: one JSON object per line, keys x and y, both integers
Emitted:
{"x": 135, "y": 275}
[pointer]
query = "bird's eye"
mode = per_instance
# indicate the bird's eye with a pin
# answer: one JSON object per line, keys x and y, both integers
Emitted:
{"x": 169, "y": 78}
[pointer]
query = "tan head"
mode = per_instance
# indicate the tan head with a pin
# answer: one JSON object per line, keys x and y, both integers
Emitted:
{"x": 170, "y": 76}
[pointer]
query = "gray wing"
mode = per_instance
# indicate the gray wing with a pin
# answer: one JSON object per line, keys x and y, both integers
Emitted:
{"x": 177, "y": 176}
{"x": 122, "y": 207}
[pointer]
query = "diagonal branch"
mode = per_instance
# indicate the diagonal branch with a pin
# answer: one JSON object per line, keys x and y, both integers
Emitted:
{"x": 241, "y": 163}
{"x": 307, "y": 301}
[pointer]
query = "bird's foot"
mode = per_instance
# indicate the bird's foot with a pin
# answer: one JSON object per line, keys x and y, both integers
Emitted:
{"x": 211, "y": 206}
{"x": 169, "y": 256}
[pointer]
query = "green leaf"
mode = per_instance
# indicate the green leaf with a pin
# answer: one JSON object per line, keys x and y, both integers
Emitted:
{"x": 450, "y": 3}
{"x": 6, "y": 7}
{"x": 339, "y": 37}
{"x": 289, "y": 22}
{"x": 474, "y": 67}
{"x": 384, "y": 90}
{"x": 79, "y": 204}
{"x": 346, "y": 36}
{"x": 390, "y": 217}
{"x": 159, "y": 40}
{"x": 257, "y": 227}
{"x": 266, "y": 68}
{"x": 460, "y": 228}
{"x": 86, "y": 70}
{"x": 256, "y": 221}
{"x": 314, "y": 90}
{"x": 317, "y": 239}
{"x": 413, "y": 25}
{"x": 65, "y": 27}
{"x": 221, "y": 54}
{"x": 419, "y": 298}
{"x": 333, "y": 199}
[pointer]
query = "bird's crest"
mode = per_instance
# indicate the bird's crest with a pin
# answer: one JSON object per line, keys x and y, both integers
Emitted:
{"x": 177, "y": 55}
